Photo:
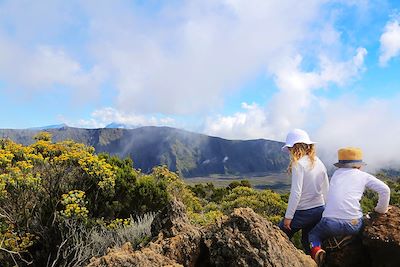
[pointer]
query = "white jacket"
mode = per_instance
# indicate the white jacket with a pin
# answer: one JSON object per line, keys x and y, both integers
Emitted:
{"x": 309, "y": 186}
{"x": 346, "y": 189}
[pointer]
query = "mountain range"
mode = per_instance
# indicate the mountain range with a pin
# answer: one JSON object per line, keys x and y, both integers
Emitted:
{"x": 189, "y": 153}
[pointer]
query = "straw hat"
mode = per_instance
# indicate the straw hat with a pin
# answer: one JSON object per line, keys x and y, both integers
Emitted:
{"x": 296, "y": 136}
{"x": 350, "y": 157}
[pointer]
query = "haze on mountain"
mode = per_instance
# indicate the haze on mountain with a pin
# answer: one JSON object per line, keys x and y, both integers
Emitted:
{"x": 191, "y": 154}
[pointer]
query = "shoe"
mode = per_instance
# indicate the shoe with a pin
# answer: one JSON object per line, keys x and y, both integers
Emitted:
{"x": 320, "y": 257}
{"x": 314, "y": 251}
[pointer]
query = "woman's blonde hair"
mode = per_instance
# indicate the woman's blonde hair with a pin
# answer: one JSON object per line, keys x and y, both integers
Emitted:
{"x": 300, "y": 150}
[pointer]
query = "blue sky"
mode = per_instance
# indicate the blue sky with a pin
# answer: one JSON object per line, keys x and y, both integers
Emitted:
{"x": 232, "y": 68}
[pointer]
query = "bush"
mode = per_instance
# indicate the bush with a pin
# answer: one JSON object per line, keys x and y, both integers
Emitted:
{"x": 32, "y": 181}
{"x": 265, "y": 202}
{"x": 47, "y": 188}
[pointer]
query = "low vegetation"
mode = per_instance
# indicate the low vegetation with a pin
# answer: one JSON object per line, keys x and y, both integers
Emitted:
{"x": 61, "y": 204}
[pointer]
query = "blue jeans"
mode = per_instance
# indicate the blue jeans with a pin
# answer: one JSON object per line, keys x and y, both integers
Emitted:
{"x": 304, "y": 220}
{"x": 329, "y": 227}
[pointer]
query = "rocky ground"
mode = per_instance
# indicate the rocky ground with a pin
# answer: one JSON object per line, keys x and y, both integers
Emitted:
{"x": 246, "y": 239}
{"x": 242, "y": 239}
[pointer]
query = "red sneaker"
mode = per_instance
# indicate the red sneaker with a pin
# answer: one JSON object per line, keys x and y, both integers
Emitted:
{"x": 318, "y": 254}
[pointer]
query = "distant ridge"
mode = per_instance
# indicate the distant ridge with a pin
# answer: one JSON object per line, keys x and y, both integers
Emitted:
{"x": 57, "y": 126}
{"x": 191, "y": 154}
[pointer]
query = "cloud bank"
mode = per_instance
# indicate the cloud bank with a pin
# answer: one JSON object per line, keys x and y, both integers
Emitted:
{"x": 190, "y": 56}
{"x": 390, "y": 42}
{"x": 102, "y": 117}
{"x": 295, "y": 104}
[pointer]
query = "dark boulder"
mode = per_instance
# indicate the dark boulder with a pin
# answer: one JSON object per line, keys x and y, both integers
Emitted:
{"x": 247, "y": 239}
{"x": 378, "y": 245}
{"x": 351, "y": 254}
{"x": 382, "y": 238}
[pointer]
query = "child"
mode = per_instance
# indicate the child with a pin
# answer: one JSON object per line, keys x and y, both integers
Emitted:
{"x": 309, "y": 186}
{"x": 343, "y": 214}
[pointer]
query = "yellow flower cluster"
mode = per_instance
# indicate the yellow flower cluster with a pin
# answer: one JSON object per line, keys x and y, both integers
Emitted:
{"x": 5, "y": 158}
{"x": 15, "y": 242}
{"x": 74, "y": 203}
{"x": 24, "y": 163}
{"x": 94, "y": 166}
{"x": 118, "y": 223}
{"x": 17, "y": 179}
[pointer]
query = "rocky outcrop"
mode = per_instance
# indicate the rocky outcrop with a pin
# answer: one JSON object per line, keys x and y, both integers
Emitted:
{"x": 126, "y": 256}
{"x": 377, "y": 246}
{"x": 247, "y": 239}
{"x": 382, "y": 238}
{"x": 176, "y": 238}
{"x": 242, "y": 239}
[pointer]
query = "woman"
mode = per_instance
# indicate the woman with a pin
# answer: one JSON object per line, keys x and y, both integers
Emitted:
{"x": 309, "y": 187}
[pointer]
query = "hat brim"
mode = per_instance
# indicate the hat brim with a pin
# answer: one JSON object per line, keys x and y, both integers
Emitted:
{"x": 350, "y": 164}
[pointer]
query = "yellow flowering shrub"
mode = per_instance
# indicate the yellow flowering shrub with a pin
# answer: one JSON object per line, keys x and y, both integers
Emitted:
{"x": 38, "y": 182}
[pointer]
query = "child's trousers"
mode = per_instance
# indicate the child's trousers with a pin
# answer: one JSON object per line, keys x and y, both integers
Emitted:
{"x": 304, "y": 220}
{"x": 329, "y": 227}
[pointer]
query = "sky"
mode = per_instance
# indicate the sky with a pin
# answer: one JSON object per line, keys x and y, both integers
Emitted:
{"x": 238, "y": 69}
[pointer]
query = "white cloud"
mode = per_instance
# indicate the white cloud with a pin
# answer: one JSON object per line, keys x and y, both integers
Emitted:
{"x": 188, "y": 57}
{"x": 102, "y": 117}
{"x": 39, "y": 53}
{"x": 249, "y": 124}
{"x": 390, "y": 42}
{"x": 372, "y": 125}
{"x": 293, "y": 105}
{"x": 44, "y": 68}
{"x": 172, "y": 59}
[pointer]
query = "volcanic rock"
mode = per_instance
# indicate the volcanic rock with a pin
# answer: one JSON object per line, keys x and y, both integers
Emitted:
{"x": 127, "y": 257}
{"x": 242, "y": 239}
{"x": 247, "y": 239}
{"x": 382, "y": 238}
{"x": 378, "y": 245}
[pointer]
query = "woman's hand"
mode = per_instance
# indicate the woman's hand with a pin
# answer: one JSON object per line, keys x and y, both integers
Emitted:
{"x": 286, "y": 223}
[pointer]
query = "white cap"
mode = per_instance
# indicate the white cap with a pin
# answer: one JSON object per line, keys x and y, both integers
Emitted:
{"x": 296, "y": 136}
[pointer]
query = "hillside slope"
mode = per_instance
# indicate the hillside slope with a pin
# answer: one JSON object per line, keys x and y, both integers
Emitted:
{"x": 189, "y": 153}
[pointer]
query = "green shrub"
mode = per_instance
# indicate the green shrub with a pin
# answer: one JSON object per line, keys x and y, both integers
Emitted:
{"x": 265, "y": 202}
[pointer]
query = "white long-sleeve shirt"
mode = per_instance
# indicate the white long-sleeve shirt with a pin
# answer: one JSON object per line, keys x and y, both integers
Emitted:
{"x": 309, "y": 186}
{"x": 346, "y": 189}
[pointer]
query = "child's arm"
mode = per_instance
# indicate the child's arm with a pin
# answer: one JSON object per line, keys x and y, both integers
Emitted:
{"x": 295, "y": 190}
{"x": 383, "y": 191}
{"x": 325, "y": 187}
